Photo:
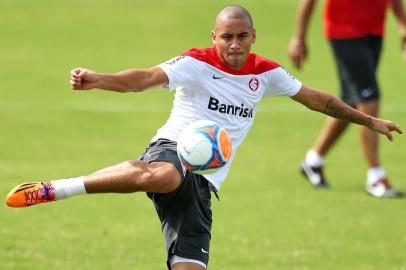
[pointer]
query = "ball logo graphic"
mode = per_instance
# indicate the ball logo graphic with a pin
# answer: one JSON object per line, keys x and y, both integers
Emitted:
{"x": 204, "y": 147}
{"x": 253, "y": 84}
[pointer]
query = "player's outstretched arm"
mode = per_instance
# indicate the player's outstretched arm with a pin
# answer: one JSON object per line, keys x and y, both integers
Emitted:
{"x": 334, "y": 107}
{"x": 131, "y": 80}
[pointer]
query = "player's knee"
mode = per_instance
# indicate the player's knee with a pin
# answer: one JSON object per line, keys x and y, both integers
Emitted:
{"x": 165, "y": 177}
{"x": 187, "y": 266}
{"x": 154, "y": 177}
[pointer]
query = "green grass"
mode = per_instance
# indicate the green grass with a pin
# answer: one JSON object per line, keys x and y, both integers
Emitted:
{"x": 268, "y": 216}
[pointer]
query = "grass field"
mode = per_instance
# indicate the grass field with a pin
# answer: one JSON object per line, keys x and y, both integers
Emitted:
{"x": 268, "y": 216}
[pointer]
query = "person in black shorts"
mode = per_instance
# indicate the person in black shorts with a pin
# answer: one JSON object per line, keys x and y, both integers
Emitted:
{"x": 355, "y": 32}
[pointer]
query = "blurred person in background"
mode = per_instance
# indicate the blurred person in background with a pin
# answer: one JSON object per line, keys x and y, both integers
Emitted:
{"x": 354, "y": 29}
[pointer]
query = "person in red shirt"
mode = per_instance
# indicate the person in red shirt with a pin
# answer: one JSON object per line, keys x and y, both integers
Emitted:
{"x": 354, "y": 29}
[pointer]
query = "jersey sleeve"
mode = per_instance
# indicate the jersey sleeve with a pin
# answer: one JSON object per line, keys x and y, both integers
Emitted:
{"x": 282, "y": 83}
{"x": 182, "y": 71}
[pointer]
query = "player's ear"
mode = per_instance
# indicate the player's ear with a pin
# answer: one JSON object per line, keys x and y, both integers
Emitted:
{"x": 254, "y": 35}
{"x": 213, "y": 37}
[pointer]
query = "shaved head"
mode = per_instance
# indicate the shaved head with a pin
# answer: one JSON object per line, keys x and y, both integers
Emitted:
{"x": 233, "y": 35}
{"x": 233, "y": 12}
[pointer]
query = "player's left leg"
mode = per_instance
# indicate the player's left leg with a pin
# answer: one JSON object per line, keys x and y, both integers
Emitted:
{"x": 185, "y": 213}
{"x": 186, "y": 219}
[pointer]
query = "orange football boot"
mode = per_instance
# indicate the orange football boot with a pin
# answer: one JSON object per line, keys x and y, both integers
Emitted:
{"x": 28, "y": 194}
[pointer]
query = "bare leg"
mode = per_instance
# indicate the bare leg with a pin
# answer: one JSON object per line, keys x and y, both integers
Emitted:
{"x": 113, "y": 168}
{"x": 312, "y": 166}
{"x": 132, "y": 176}
{"x": 369, "y": 139}
{"x": 377, "y": 183}
{"x": 126, "y": 177}
{"x": 187, "y": 266}
{"x": 331, "y": 132}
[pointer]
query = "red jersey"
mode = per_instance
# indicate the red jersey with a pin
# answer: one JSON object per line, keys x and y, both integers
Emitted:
{"x": 354, "y": 18}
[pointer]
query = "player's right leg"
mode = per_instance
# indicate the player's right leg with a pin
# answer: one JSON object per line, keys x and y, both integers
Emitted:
{"x": 126, "y": 177}
{"x": 134, "y": 175}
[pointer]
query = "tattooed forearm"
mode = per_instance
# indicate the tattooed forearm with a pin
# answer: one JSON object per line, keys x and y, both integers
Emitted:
{"x": 338, "y": 109}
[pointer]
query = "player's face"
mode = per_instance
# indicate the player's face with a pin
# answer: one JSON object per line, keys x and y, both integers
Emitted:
{"x": 233, "y": 39}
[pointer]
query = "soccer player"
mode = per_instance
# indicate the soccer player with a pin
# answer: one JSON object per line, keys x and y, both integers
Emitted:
{"x": 210, "y": 84}
{"x": 354, "y": 29}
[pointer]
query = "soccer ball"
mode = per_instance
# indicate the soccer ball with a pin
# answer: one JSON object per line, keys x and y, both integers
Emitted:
{"x": 204, "y": 147}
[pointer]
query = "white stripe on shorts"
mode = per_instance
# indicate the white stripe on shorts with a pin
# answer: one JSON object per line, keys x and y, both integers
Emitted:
{"x": 176, "y": 259}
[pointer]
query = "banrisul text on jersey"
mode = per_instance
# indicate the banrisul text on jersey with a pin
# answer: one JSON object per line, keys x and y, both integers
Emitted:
{"x": 215, "y": 105}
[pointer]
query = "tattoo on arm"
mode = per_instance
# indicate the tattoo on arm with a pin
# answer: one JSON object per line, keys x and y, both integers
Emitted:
{"x": 337, "y": 109}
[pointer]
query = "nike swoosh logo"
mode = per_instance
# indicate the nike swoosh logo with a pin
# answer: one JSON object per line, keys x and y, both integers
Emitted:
{"x": 204, "y": 251}
{"x": 217, "y": 78}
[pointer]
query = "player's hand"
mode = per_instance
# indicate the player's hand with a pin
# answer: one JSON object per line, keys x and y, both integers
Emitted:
{"x": 384, "y": 127}
{"x": 83, "y": 79}
{"x": 297, "y": 51}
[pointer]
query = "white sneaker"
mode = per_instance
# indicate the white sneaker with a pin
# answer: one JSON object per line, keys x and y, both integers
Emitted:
{"x": 315, "y": 175}
{"x": 382, "y": 189}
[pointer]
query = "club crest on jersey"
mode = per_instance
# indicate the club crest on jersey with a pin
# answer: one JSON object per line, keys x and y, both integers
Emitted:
{"x": 253, "y": 84}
